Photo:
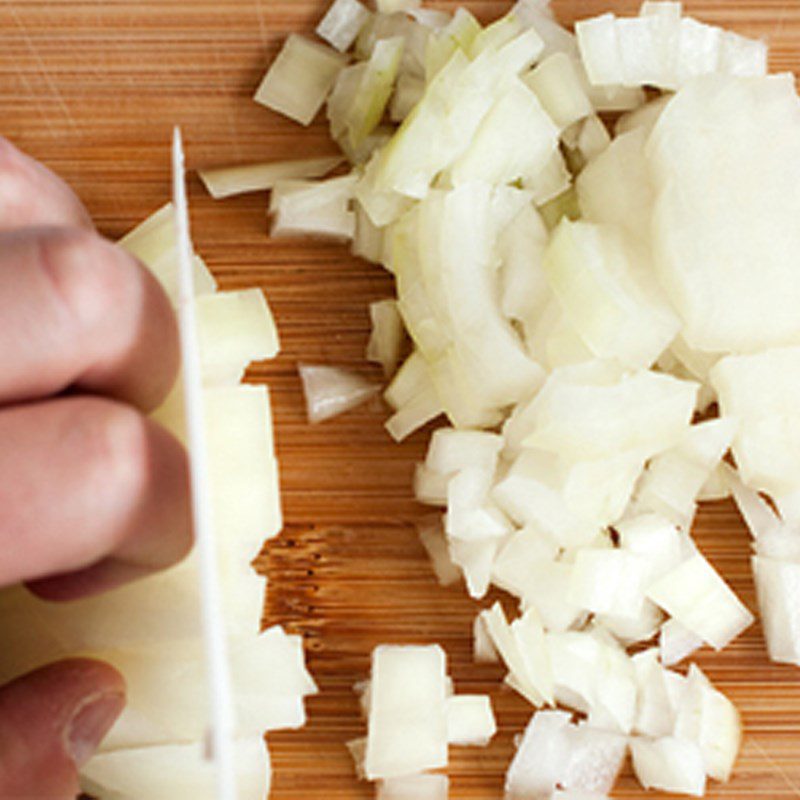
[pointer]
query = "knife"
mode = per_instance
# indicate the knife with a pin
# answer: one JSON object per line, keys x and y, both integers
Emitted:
{"x": 219, "y": 738}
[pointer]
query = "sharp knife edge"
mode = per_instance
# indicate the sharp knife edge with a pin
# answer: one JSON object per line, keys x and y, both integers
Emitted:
{"x": 221, "y": 724}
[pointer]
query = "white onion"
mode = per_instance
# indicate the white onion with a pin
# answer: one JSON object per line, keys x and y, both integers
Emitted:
{"x": 300, "y": 79}
{"x": 414, "y": 787}
{"x": 432, "y": 537}
{"x": 470, "y": 720}
{"x": 483, "y": 649}
{"x": 609, "y": 582}
{"x": 234, "y": 328}
{"x": 386, "y": 339}
{"x": 707, "y": 717}
{"x": 555, "y": 753}
{"x": 174, "y": 770}
{"x": 313, "y": 209}
{"x": 407, "y": 717}
{"x": 669, "y": 764}
{"x": 229, "y": 181}
{"x": 677, "y": 642}
{"x": 515, "y": 563}
{"x": 507, "y": 646}
{"x": 559, "y": 89}
{"x": 655, "y": 710}
{"x": 373, "y": 91}
{"x": 585, "y": 296}
{"x": 342, "y": 23}
{"x": 330, "y": 391}
{"x": 760, "y": 390}
{"x": 408, "y": 92}
{"x": 734, "y": 113}
{"x": 613, "y": 303}
{"x": 696, "y": 595}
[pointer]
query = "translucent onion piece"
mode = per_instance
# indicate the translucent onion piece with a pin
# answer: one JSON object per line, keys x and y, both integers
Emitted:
{"x": 560, "y": 90}
{"x": 407, "y": 94}
{"x": 374, "y": 90}
{"x": 513, "y": 142}
{"x": 300, "y": 79}
{"x": 614, "y": 304}
{"x": 393, "y": 6}
{"x": 314, "y": 209}
{"x": 243, "y": 468}
{"x": 386, "y": 338}
{"x": 342, "y": 23}
{"x": 358, "y": 750}
{"x": 457, "y": 34}
{"x": 469, "y": 87}
{"x": 228, "y": 181}
{"x": 600, "y": 50}
{"x": 707, "y": 717}
{"x": 330, "y": 391}
{"x": 431, "y": 534}
{"x": 483, "y": 650}
{"x": 234, "y": 328}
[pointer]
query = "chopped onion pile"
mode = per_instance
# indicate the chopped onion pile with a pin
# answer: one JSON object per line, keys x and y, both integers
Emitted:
{"x": 412, "y": 717}
{"x": 151, "y": 630}
{"x": 607, "y": 316}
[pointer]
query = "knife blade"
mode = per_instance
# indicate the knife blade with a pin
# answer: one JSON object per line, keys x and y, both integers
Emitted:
{"x": 219, "y": 738}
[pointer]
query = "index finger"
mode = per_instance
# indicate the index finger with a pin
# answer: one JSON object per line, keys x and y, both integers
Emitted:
{"x": 78, "y": 312}
{"x": 30, "y": 194}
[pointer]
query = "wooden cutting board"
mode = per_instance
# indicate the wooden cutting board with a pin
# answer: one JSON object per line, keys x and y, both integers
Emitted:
{"x": 93, "y": 89}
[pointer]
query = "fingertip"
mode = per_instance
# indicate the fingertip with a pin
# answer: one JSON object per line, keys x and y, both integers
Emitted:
{"x": 51, "y": 721}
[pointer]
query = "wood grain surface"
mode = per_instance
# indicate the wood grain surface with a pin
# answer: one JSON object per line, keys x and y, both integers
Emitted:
{"x": 93, "y": 89}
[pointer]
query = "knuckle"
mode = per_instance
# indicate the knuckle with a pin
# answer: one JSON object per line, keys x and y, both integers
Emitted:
{"x": 118, "y": 442}
{"x": 31, "y": 194}
{"x": 92, "y": 277}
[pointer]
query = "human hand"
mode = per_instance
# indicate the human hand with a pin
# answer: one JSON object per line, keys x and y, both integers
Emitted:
{"x": 92, "y": 493}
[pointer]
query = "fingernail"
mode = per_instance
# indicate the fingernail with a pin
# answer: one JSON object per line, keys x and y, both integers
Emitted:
{"x": 91, "y": 722}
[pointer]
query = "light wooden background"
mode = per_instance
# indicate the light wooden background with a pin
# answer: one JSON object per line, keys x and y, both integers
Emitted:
{"x": 93, "y": 88}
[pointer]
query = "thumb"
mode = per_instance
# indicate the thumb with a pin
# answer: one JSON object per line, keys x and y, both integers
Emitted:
{"x": 51, "y": 721}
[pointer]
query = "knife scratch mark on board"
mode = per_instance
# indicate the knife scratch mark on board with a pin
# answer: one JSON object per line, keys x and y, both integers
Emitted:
{"x": 230, "y": 116}
{"x": 262, "y": 25}
{"x": 778, "y": 768}
{"x": 43, "y": 71}
{"x": 779, "y": 25}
